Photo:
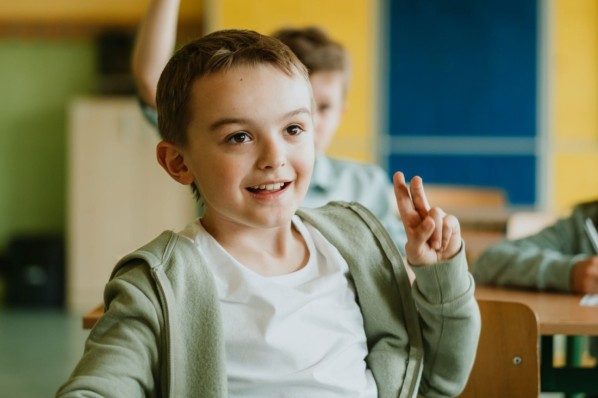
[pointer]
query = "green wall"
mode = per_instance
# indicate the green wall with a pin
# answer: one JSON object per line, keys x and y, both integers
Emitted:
{"x": 38, "y": 78}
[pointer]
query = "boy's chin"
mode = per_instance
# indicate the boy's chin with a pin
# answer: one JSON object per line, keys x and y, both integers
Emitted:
{"x": 273, "y": 219}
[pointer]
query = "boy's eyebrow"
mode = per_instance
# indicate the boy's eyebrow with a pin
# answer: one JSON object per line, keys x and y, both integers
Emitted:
{"x": 297, "y": 112}
{"x": 227, "y": 120}
{"x": 235, "y": 120}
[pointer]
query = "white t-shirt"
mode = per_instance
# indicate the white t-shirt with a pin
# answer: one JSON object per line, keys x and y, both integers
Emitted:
{"x": 294, "y": 335}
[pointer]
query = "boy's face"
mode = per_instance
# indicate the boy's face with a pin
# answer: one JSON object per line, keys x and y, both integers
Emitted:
{"x": 329, "y": 94}
{"x": 250, "y": 145}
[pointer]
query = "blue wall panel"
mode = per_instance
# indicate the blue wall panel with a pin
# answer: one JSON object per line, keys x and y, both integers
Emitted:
{"x": 475, "y": 170}
{"x": 465, "y": 68}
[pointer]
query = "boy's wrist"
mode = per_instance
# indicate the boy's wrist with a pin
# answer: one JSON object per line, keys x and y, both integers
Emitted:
{"x": 443, "y": 281}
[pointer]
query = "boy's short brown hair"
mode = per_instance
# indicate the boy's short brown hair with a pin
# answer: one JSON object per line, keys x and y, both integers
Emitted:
{"x": 317, "y": 51}
{"x": 218, "y": 51}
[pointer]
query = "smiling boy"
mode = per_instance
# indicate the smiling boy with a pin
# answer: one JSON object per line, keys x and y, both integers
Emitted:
{"x": 329, "y": 66}
{"x": 258, "y": 298}
{"x": 252, "y": 164}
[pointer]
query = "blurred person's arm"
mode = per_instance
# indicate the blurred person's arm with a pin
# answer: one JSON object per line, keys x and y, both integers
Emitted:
{"x": 154, "y": 45}
{"x": 543, "y": 261}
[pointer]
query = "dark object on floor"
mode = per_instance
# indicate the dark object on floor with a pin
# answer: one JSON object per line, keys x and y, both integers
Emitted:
{"x": 35, "y": 271}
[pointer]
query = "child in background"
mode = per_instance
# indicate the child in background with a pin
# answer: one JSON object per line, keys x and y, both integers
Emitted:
{"x": 561, "y": 257}
{"x": 329, "y": 72}
{"x": 257, "y": 298}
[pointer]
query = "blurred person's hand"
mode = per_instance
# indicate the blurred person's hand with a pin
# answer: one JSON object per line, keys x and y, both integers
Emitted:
{"x": 584, "y": 276}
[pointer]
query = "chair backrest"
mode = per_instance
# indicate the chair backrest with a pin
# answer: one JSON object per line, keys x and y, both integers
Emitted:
{"x": 451, "y": 196}
{"x": 456, "y": 197}
{"x": 507, "y": 359}
{"x": 524, "y": 223}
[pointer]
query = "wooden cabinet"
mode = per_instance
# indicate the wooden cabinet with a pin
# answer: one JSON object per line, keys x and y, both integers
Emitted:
{"x": 119, "y": 197}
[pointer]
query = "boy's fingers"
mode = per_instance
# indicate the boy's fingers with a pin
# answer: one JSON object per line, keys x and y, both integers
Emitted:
{"x": 418, "y": 196}
{"x": 451, "y": 224}
{"x": 436, "y": 239}
{"x": 447, "y": 233}
{"x": 418, "y": 240}
{"x": 403, "y": 197}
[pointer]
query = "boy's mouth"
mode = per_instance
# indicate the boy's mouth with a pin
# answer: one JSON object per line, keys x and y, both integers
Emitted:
{"x": 274, "y": 187}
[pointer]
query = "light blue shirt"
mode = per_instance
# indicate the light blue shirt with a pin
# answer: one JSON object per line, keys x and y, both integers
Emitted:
{"x": 346, "y": 180}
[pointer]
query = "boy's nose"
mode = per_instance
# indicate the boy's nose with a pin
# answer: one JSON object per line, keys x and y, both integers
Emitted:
{"x": 272, "y": 154}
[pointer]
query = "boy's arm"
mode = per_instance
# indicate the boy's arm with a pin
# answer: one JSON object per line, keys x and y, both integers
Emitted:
{"x": 450, "y": 323}
{"x": 121, "y": 357}
{"x": 542, "y": 261}
{"x": 443, "y": 290}
{"x": 154, "y": 45}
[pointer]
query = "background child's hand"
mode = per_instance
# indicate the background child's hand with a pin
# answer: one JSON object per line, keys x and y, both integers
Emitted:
{"x": 432, "y": 235}
{"x": 584, "y": 276}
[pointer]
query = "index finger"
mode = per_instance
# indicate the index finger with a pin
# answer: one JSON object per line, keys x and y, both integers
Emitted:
{"x": 418, "y": 196}
{"x": 404, "y": 202}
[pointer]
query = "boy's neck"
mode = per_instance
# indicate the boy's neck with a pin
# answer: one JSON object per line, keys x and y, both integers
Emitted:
{"x": 268, "y": 251}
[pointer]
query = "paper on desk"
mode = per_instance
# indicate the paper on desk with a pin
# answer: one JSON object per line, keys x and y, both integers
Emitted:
{"x": 590, "y": 300}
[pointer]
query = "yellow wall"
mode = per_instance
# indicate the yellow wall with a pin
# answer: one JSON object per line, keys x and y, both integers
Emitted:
{"x": 352, "y": 23}
{"x": 575, "y": 143}
{"x": 96, "y": 11}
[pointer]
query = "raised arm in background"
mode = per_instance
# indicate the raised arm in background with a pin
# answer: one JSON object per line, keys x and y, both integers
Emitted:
{"x": 154, "y": 45}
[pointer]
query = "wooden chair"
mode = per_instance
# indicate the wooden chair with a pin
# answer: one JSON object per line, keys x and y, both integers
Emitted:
{"x": 450, "y": 197}
{"x": 455, "y": 196}
{"x": 482, "y": 213}
{"x": 507, "y": 360}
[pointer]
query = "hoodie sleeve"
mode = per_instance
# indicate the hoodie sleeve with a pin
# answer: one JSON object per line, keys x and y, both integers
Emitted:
{"x": 121, "y": 357}
{"x": 450, "y": 322}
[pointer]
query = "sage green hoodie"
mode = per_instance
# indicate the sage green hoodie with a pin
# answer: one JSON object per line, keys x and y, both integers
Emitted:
{"x": 161, "y": 334}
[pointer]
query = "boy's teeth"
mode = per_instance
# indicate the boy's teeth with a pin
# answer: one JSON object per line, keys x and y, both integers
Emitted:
{"x": 269, "y": 187}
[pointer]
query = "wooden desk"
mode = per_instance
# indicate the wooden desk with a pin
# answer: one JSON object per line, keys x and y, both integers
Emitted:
{"x": 481, "y": 227}
{"x": 476, "y": 241}
{"x": 482, "y": 218}
{"x": 90, "y": 319}
{"x": 557, "y": 313}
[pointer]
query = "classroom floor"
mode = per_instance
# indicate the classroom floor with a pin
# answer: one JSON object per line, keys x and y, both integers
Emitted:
{"x": 39, "y": 348}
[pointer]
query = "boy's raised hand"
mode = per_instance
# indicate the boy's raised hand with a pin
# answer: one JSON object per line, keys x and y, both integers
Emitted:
{"x": 432, "y": 235}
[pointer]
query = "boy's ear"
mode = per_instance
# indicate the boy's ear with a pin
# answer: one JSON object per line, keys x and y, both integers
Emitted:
{"x": 171, "y": 159}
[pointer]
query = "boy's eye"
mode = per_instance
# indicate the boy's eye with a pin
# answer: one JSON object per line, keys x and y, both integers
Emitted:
{"x": 294, "y": 130}
{"x": 238, "y": 138}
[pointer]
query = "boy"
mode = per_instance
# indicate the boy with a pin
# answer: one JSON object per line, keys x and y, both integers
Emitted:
{"x": 256, "y": 298}
{"x": 329, "y": 72}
